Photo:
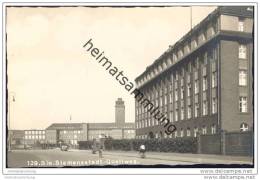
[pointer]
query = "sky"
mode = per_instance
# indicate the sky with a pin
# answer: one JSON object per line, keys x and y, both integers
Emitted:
{"x": 51, "y": 75}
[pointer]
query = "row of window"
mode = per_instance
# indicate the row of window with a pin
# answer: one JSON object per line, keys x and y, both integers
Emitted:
{"x": 185, "y": 132}
{"x": 187, "y": 48}
{"x": 34, "y": 136}
{"x": 34, "y": 132}
{"x": 75, "y": 136}
{"x": 177, "y": 55}
{"x": 70, "y": 132}
{"x": 141, "y": 111}
{"x": 243, "y": 108}
{"x": 182, "y": 133}
{"x": 147, "y": 120}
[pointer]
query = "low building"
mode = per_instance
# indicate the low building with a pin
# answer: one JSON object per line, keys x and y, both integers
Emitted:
{"x": 16, "y": 138}
{"x": 72, "y": 133}
{"x": 34, "y": 136}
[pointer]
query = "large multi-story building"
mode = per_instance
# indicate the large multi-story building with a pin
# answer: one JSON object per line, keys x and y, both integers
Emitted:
{"x": 204, "y": 82}
{"x": 69, "y": 133}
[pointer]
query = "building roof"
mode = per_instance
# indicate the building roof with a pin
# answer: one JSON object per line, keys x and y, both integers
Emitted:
{"x": 77, "y": 126}
{"x": 60, "y": 126}
{"x": 241, "y": 11}
{"x": 109, "y": 125}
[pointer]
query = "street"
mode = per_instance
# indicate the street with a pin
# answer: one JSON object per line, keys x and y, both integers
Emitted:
{"x": 76, "y": 158}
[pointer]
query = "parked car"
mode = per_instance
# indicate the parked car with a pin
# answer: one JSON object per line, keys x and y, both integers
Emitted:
{"x": 63, "y": 146}
{"x": 27, "y": 147}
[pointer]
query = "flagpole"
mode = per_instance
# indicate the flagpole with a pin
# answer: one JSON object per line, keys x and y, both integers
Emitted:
{"x": 190, "y": 17}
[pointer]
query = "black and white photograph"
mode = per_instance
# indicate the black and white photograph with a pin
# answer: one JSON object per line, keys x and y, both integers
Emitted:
{"x": 129, "y": 88}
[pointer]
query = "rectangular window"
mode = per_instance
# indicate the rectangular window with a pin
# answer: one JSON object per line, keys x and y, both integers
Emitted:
{"x": 176, "y": 134}
{"x": 170, "y": 96}
{"x": 197, "y": 63}
{"x": 204, "y": 83}
{"x": 203, "y": 36}
{"x": 204, "y": 130}
{"x": 196, "y": 86}
{"x": 241, "y": 25}
{"x": 214, "y": 79}
{"x": 188, "y": 132}
{"x": 242, "y": 104}
{"x": 242, "y": 52}
{"x": 214, "y": 105}
{"x": 176, "y": 84}
{"x": 161, "y": 102}
{"x": 195, "y": 43}
{"x": 165, "y": 99}
{"x": 182, "y": 92}
{"x": 170, "y": 87}
{"x": 171, "y": 116}
{"x": 242, "y": 78}
{"x": 205, "y": 59}
{"x": 176, "y": 115}
{"x": 182, "y": 72}
{"x": 205, "y": 108}
{"x": 213, "y": 129}
{"x": 189, "y": 112}
{"x": 189, "y": 67}
{"x": 196, "y": 130}
{"x": 161, "y": 92}
{"x": 176, "y": 94}
{"x": 176, "y": 76}
{"x": 182, "y": 113}
{"x": 180, "y": 53}
{"x": 196, "y": 110}
{"x": 189, "y": 90}
{"x": 215, "y": 54}
{"x": 174, "y": 57}
{"x": 212, "y": 31}
{"x": 181, "y": 133}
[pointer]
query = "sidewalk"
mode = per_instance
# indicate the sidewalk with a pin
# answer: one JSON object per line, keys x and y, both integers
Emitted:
{"x": 184, "y": 157}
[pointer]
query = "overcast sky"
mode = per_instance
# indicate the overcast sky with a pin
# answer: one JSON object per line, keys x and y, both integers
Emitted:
{"x": 53, "y": 77}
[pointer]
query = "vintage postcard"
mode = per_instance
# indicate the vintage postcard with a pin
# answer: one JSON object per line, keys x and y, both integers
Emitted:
{"x": 96, "y": 87}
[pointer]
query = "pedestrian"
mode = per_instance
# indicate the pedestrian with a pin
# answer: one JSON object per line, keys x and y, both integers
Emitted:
{"x": 142, "y": 150}
{"x": 99, "y": 146}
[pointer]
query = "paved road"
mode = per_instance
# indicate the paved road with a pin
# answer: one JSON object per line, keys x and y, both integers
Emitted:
{"x": 57, "y": 158}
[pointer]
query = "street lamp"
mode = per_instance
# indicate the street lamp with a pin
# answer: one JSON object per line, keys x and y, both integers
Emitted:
{"x": 11, "y": 98}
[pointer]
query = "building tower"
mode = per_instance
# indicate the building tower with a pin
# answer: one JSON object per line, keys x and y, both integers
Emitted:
{"x": 120, "y": 112}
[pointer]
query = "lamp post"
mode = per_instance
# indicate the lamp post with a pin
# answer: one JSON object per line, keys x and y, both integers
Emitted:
{"x": 11, "y": 98}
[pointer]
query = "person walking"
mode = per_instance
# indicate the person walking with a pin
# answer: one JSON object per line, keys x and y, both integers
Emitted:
{"x": 142, "y": 150}
{"x": 99, "y": 146}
